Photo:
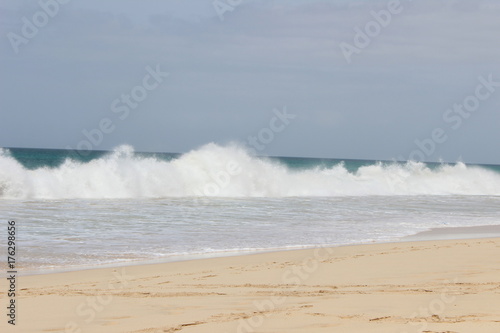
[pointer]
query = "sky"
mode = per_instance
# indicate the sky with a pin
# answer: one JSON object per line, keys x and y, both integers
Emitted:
{"x": 335, "y": 79}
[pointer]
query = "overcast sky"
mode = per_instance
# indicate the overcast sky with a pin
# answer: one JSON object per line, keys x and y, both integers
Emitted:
{"x": 387, "y": 94}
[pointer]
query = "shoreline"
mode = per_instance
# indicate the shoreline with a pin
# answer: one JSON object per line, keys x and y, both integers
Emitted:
{"x": 441, "y": 233}
{"x": 446, "y": 285}
{"x": 475, "y": 232}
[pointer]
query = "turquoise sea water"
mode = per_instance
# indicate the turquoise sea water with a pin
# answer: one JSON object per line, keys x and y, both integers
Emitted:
{"x": 37, "y": 158}
{"x": 77, "y": 211}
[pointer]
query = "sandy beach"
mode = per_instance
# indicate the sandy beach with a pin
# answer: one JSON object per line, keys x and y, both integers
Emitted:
{"x": 424, "y": 286}
{"x": 229, "y": 166}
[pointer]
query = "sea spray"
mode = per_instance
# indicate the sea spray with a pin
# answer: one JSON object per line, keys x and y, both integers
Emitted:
{"x": 126, "y": 174}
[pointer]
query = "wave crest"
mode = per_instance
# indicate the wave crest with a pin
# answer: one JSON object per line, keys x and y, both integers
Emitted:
{"x": 231, "y": 171}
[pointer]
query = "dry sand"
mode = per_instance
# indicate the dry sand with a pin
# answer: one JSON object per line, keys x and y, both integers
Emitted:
{"x": 429, "y": 286}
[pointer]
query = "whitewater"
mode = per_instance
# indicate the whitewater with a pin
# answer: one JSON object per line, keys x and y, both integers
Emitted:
{"x": 123, "y": 207}
{"x": 230, "y": 171}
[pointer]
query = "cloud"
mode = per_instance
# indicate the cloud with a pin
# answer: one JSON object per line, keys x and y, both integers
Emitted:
{"x": 227, "y": 76}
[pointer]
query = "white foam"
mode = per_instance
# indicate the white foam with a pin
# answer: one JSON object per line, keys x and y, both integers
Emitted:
{"x": 232, "y": 172}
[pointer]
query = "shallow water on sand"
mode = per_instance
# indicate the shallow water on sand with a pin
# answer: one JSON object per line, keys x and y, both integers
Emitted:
{"x": 89, "y": 232}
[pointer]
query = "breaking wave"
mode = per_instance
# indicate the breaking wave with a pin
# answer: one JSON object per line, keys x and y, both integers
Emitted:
{"x": 231, "y": 171}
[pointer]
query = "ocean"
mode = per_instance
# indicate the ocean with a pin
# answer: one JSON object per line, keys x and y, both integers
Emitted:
{"x": 75, "y": 211}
